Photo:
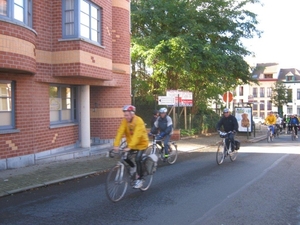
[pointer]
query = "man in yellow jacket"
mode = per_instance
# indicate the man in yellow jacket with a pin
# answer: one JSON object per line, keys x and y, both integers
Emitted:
{"x": 134, "y": 129}
{"x": 271, "y": 121}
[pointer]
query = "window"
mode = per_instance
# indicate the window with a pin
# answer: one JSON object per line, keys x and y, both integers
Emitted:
{"x": 254, "y": 105}
{"x": 289, "y": 110}
{"x": 7, "y": 120}
{"x": 262, "y": 105}
{"x": 262, "y": 92}
{"x": 81, "y": 18}
{"x": 17, "y": 10}
{"x": 268, "y": 76}
{"x": 298, "y": 94}
{"x": 241, "y": 91}
{"x": 62, "y": 104}
{"x": 269, "y": 92}
{"x": 254, "y": 92}
{"x": 289, "y": 78}
{"x": 269, "y": 105}
{"x": 290, "y": 95}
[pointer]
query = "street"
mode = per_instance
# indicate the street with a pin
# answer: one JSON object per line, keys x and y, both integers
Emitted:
{"x": 260, "y": 187}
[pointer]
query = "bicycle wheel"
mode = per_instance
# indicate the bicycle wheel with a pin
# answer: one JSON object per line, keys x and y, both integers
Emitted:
{"x": 269, "y": 136}
{"x": 220, "y": 156}
{"x": 147, "y": 182}
{"x": 233, "y": 155}
{"x": 173, "y": 154}
{"x": 149, "y": 150}
{"x": 116, "y": 183}
{"x": 293, "y": 136}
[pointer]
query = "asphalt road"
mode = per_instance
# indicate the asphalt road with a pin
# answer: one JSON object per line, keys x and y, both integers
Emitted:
{"x": 260, "y": 187}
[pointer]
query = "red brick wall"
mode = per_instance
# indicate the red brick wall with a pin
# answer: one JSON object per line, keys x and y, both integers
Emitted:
{"x": 32, "y": 90}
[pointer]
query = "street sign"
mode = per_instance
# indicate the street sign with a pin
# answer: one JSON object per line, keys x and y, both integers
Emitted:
{"x": 185, "y": 97}
{"x": 230, "y": 97}
{"x": 166, "y": 100}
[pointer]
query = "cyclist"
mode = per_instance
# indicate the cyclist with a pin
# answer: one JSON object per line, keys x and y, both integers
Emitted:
{"x": 133, "y": 127}
{"x": 154, "y": 117}
{"x": 229, "y": 123}
{"x": 293, "y": 123}
{"x": 164, "y": 125}
{"x": 271, "y": 121}
{"x": 278, "y": 123}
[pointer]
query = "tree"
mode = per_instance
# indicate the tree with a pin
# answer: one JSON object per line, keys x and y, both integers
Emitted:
{"x": 193, "y": 45}
{"x": 280, "y": 95}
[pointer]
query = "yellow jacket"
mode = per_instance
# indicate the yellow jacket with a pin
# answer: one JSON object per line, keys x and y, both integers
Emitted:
{"x": 270, "y": 120}
{"x": 135, "y": 133}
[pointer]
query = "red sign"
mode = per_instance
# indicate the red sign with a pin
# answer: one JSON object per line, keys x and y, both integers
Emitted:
{"x": 230, "y": 97}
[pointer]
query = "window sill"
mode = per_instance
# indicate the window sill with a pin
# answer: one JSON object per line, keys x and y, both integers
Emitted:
{"x": 62, "y": 125}
{"x": 82, "y": 39}
{"x": 9, "y": 131}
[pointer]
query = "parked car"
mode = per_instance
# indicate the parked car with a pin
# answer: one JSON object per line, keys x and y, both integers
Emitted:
{"x": 258, "y": 119}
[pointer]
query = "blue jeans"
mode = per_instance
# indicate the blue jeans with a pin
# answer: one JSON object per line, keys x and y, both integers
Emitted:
{"x": 166, "y": 143}
{"x": 271, "y": 127}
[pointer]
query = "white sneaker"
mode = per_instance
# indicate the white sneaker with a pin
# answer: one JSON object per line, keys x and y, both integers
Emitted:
{"x": 132, "y": 170}
{"x": 138, "y": 183}
{"x": 296, "y": 136}
{"x": 229, "y": 151}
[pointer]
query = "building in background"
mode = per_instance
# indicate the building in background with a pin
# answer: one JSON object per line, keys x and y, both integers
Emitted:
{"x": 64, "y": 77}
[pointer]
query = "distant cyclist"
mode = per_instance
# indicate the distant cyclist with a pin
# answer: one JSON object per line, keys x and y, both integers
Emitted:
{"x": 293, "y": 123}
{"x": 133, "y": 127}
{"x": 164, "y": 125}
{"x": 229, "y": 123}
{"x": 271, "y": 121}
{"x": 279, "y": 123}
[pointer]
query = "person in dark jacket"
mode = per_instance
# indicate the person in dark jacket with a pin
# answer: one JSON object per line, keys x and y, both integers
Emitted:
{"x": 229, "y": 123}
{"x": 154, "y": 118}
{"x": 164, "y": 125}
{"x": 294, "y": 123}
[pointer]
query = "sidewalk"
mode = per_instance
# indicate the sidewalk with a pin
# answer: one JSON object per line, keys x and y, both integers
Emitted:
{"x": 22, "y": 179}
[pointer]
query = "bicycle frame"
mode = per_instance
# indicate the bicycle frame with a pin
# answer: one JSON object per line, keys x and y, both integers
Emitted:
{"x": 159, "y": 152}
{"x": 223, "y": 153}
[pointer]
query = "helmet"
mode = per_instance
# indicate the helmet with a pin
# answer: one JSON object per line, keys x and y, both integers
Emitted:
{"x": 226, "y": 110}
{"x": 163, "y": 110}
{"x": 129, "y": 108}
{"x": 155, "y": 112}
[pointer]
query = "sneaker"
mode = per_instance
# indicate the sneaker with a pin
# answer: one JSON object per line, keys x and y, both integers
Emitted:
{"x": 296, "y": 136}
{"x": 138, "y": 183}
{"x": 166, "y": 156}
{"x": 229, "y": 151}
{"x": 132, "y": 170}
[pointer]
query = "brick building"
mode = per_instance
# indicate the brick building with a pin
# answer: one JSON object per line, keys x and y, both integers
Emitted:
{"x": 64, "y": 76}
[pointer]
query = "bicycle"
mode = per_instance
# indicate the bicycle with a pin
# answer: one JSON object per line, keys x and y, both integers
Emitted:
{"x": 293, "y": 134}
{"x": 154, "y": 148}
{"x": 277, "y": 131}
{"x": 222, "y": 151}
{"x": 119, "y": 175}
{"x": 270, "y": 136}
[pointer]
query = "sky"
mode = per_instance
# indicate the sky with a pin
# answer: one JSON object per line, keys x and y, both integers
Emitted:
{"x": 280, "y": 42}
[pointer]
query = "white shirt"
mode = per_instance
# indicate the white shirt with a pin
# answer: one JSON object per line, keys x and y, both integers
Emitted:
{"x": 278, "y": 120}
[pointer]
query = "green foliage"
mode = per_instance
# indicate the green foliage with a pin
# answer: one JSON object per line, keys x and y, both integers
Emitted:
{"x": 190, "y": 45}
{"x": 280, "y": 94}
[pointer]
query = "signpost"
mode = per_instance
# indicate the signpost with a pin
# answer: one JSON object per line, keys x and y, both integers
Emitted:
{"x": 227, "y": 97}
{"x": 166, "y": 100}
{"x": 177, "y": 98}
